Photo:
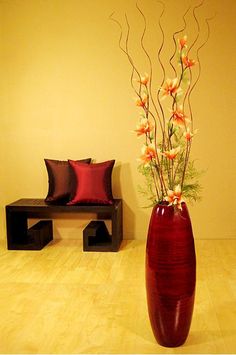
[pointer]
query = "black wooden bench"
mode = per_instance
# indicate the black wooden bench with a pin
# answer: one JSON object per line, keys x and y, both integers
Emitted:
{"x": 95, "y": 236}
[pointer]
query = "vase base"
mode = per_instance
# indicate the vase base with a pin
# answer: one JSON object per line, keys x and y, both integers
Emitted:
{"x": 171, "y": 344}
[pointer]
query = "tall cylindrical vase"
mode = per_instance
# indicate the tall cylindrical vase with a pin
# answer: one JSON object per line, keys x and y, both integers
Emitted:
{"x": 170, "y": 274}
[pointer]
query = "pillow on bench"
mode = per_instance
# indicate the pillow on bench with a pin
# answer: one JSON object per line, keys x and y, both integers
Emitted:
{"x": 94, "y": 184}
{"x": 61, "y": 180}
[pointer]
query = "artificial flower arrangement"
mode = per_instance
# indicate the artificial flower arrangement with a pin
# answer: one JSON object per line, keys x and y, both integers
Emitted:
{"x": 167, "y": 129}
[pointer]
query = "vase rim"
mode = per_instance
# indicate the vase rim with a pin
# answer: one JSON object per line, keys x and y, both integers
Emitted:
{"x": 166, "y": 204}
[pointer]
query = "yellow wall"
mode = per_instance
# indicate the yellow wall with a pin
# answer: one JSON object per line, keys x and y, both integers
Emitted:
{"x": 65, "y": 93}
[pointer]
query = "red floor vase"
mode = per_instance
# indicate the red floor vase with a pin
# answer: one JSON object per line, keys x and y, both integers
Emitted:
{"x": 170, "y": 274}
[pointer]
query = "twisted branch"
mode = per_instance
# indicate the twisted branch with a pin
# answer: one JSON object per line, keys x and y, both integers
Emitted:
{"x": 150, "y": 64}
{"x": 174, "y": 34}
{"x": 162, "y": 66}
{"x": 125, "y": 51}
{"x": 199, "y": 66}
{"x": 190, "y": 92}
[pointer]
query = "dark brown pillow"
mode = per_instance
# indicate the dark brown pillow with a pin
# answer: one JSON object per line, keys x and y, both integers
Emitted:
{"x": 61, "y": 180}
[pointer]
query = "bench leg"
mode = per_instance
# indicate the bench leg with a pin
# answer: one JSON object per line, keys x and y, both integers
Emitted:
{"x": 16, "y": 229}
{"x": 117, "y": 228}
{"x": 96, "y": 237}
{"x": 19, "y": 237}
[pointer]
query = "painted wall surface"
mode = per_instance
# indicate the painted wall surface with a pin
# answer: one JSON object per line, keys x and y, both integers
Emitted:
{"x": 65, "y": 93}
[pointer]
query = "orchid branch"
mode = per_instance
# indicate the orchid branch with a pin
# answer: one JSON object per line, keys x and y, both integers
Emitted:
{"x": 150, "y": 90}
{"x": 162, "y": 66}
{"x": 174, "y": 35}
{"x": 199, "y": 64}
{"x": 193, "y": 86}
{"x": 150, "y": 64}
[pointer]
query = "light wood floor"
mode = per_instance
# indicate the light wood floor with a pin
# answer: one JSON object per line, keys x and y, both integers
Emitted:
{"x": 61, "y": 300}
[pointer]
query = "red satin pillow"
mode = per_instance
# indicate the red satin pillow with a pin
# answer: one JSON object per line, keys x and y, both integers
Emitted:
{"x": 93, "y": 183}
{"x": 61, "y": 180}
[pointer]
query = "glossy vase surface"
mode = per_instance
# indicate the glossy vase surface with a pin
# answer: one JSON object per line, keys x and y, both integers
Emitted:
{"x": 170, "y": 274}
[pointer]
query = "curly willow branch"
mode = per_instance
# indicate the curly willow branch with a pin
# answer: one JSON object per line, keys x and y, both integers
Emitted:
{"x": 190, "y": 81}
{"x": 199, "y": 66}
{"x": 134, "y": 69}
{"x": 174, "y": 34}
{"x": 150, "y": 64}
{"x": 191, "y": 90}
{"x": 161, "y": 64}
{"x": 154, "y": 105}
{"x": 198, "y": 26}
{"x": 146, "y": 109}
{"x": 126, "y": 52}
{"x": 130, "y": 59}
